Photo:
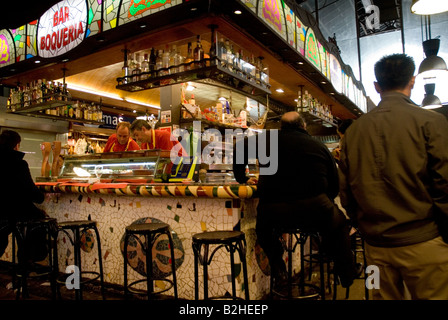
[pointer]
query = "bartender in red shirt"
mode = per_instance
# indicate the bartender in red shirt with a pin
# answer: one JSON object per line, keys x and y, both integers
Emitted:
{"x": 150, "y": 138}
{"x": 121, "y": 140}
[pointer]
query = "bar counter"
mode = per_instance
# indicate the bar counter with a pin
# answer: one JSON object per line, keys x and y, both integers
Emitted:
{"x": 187, "y": 208}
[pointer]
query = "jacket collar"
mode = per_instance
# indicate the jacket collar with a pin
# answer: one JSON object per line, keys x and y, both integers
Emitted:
{"x": 17, "y": 155}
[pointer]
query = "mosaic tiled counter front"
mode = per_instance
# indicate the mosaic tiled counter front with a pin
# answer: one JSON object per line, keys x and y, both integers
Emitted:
{"x": 188, "y": 209}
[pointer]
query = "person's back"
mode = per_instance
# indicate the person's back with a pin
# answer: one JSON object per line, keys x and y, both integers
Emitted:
{"x": 18, "y": 192}
{"x": 391, "y": 176}
{"x": 394, "y": 179}
{"x": 305, "y": 169}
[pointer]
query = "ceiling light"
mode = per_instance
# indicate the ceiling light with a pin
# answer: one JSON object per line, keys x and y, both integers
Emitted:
{"x": 427, "y": 7}
{"x": 37, "y": 61}
{"x": 222, "y": 99}
{"x": 107, "y": 95}
{"x": 237, "y": 12}
{"x": 430, "y": 101}
{"x": 280, "y": 90}
{"x": 432, "y": 61}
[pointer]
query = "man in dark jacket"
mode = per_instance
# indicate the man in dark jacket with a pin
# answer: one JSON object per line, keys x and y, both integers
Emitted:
{"x": 300, "y": 194}
{"x": 18, "y": 193}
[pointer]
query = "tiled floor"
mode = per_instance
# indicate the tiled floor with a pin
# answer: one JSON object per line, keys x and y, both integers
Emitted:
{"x": 39, "y": 289}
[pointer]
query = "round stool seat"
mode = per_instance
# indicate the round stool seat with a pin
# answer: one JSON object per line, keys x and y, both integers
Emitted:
{"x": 216, "y": 237}
{"x": 147, "y": 227}
{"x": 76, "y": 224}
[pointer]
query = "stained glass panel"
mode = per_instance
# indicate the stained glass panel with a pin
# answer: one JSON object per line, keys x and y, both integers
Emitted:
{"x": 131, "y": 10}
{"x": 7, "y": 51}
{"x": 271, "y": 11}
{"x": 19, "y": 36}
{"x": 311, "y": 49}
{"x": 94, "y": 17}
{"x": 290, "y": 25}
{"x": 110, "y": 8}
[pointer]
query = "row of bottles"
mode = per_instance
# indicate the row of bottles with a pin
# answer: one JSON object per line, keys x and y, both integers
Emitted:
{"x": 307, "y": 103}
{"x": 37, "y": 92}
{"x": 158, "y": 62}
{"x": 78, "y": 110}
{"x": 244, "y": 65}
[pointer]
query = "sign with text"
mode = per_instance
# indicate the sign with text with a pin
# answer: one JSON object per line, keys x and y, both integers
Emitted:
{"x": 62, "y": 28}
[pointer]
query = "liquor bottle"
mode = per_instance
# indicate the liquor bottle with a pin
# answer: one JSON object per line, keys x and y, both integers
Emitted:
{"x": 125, "y": 68}
{"x": 131, "y": 62}
{"x": 166, "y": 62}
{"x": 136, "y": 71}
{"x": 178, "y": 61}
{"x": 39, "y": 93}
{"x": 213, "y": 50}
{"x": 152, "y": 62}
{"x": 189, "y": 59}
{"x": 159, "y": 63}
{"x": 145, "y": 67}
{"x": 44, "y": 90}
{"x": 94, "y": 114}
{"x": 26, "y": 96}
{"x": 99, "y": 113}
{"x": 222, "y": 51}
{"x": 198, "y": 53}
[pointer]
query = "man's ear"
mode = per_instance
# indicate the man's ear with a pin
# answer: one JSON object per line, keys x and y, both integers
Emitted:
{"x": 412, "y": 82}
{"x": 377, "y": 87}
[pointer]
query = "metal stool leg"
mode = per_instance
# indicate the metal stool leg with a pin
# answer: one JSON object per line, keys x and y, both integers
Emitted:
{"x": 100, "y": 261}
{"x": 125, "y": 257}
{"x": 173, "y": 263}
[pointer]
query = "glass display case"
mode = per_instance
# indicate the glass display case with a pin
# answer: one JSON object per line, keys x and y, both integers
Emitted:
{"x": 117, "y": 166}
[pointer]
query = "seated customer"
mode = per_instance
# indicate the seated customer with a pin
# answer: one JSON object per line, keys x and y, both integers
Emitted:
{"x": 18, "y": 193}
{"x": 300, "y": 194}
{"x": 121, "y": 140}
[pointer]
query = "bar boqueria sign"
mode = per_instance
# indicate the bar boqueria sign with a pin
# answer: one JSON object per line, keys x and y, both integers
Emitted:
{"x": 62, "y": 28}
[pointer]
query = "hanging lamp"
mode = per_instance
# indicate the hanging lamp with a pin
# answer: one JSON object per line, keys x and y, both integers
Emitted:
{"x": 427, "y": 7}
{"x": 431, "y": 101}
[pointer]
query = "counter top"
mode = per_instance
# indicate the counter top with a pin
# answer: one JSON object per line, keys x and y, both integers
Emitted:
{"x": 198, "y": 190}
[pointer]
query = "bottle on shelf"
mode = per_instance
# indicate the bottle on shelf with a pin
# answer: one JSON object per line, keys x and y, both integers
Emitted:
{"x": 222, "y": 51}
{"x": 230, "y": 55}
{"x": 152, "y": 63}
{"x": 145, "y": 67}
{"x": 189, "y": 59}
{"x": 213, "y": 49}
{"x": 94, "y": 114}
{"x": 136, "y": 71}
{"x": 166, "y": 62}
{"x": 178, "y": 61}
{"x": 125, "y": 68}
{"x": 198, "y": 53}
{"x": 131, "y": 62}
{"x": 159, "y": 62}
{"x": 99, "y": 113}
{"x": 39, "y": 93}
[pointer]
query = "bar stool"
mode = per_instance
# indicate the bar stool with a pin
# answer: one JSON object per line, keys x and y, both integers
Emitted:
{"x": 358, "y": 247}
{"x": 297, "y": 237}
{"x": 232, "y": 241}
{"x": 151, "y": 232}
{"x": 25, "y": 268}
{"x": 77, "y": 228}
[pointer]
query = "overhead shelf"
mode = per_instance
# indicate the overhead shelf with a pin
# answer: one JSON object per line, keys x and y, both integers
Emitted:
{"x": 213, "y": 73}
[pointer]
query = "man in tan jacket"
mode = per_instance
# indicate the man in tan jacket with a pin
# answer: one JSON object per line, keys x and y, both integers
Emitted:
{"x": 394, "y": 183}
